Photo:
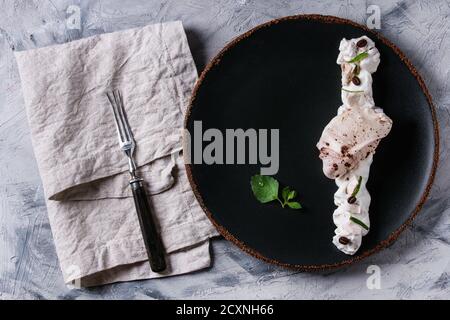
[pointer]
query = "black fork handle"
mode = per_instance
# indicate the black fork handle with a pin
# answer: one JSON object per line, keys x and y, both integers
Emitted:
{"x": 152, "y": 239}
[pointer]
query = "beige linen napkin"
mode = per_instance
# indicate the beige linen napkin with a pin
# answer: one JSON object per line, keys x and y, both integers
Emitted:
{"x": 84, "y": 173}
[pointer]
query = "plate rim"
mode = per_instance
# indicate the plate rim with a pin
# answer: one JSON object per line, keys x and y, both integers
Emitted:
{"x": 396, "y": 233}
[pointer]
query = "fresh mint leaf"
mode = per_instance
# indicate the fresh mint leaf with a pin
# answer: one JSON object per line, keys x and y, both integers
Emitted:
{"x": 359, "y": 57}
{"x": 292, "y": 194}
{"x": 265, "y": 188}
{"x": 294, "y": 205}
{"x": 358, "y": 186}
{"x": 357, "y": 221}
{"x": 285, "y": 193}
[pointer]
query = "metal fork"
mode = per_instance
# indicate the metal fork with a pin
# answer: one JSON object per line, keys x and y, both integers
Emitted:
{"x": 151, "y": 237}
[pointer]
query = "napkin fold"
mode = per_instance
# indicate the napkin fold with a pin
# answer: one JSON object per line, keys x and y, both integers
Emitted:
{"x": 83, "y": 171}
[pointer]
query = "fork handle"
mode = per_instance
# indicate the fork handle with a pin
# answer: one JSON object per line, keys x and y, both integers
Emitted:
{"x": 152, "y": 239}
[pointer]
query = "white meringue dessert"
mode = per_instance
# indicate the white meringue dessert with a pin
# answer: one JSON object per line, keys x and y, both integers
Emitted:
{"x": 350, "y": 139}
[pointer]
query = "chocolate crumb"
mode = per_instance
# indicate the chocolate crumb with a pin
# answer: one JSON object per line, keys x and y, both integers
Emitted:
{"x": 347, "y": 164}
{"x": 335, "y": 166}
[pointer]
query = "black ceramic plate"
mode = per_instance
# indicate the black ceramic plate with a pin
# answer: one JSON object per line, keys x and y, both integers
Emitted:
{"x": 283, "y": 74}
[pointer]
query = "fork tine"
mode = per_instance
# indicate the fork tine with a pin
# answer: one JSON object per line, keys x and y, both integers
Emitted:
{"x": 113, "y": 101}
{"x": 124, "y": 118}
{"x": 119, "y": 113}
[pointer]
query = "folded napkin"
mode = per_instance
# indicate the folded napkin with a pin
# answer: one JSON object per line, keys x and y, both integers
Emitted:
{"x": 84, "y": 173}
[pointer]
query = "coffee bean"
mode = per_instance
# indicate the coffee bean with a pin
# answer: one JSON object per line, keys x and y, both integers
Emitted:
{"x": 356, "y": 81}
{"x": 351, "y": 200}
{"x": 361, "y": 43}
{"x": 344, "y": 240}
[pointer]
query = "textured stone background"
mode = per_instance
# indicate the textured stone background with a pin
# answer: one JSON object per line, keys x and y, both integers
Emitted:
{"x": 416, "y": 266}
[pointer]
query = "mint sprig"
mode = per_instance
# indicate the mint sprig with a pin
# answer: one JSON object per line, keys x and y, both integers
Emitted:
{"x": 265, "y": 189}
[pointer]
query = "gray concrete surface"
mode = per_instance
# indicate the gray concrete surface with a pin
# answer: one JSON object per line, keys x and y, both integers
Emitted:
{"x": 416, "y": 266}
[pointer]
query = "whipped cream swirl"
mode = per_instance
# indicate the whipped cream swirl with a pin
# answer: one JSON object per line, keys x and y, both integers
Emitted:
{"x": 350, "y": 139}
